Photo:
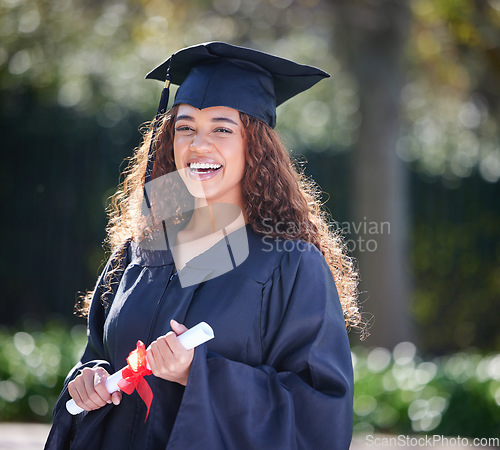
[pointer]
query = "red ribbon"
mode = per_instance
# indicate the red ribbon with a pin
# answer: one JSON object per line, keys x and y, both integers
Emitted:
{"x": 133, "y": 375}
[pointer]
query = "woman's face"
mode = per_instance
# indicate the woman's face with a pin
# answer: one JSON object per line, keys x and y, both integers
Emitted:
{"x": 209, "y": 145}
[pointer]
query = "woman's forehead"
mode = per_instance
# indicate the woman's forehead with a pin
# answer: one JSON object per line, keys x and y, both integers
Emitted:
{"x": 217, "y": 113}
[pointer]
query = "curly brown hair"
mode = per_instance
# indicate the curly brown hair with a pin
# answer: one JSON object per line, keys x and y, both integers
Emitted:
{"x": 269, "y": 178}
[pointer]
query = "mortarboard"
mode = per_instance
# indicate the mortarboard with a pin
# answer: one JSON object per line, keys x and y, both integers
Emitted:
{"x": 250, "y": 81}
{"x": 220, "y": 74}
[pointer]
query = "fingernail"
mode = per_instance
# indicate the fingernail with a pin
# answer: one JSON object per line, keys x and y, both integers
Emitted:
{"x": 174, "y": 322}
{"x": 109, "y": 402}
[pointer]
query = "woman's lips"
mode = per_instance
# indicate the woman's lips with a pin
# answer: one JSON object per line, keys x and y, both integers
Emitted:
{"x": 203, "y": 171}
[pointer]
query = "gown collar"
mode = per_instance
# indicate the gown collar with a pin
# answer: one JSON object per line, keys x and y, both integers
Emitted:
{"x": 223, "y": 256}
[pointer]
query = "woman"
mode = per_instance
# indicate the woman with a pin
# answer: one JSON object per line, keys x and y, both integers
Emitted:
{"x": 222, "y": 229}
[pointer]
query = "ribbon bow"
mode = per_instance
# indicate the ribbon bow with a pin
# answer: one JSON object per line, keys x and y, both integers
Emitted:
{"x": 133, "y": 375}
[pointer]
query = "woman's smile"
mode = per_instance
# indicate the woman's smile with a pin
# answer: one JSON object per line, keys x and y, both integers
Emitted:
{"x": 203, "y": 169}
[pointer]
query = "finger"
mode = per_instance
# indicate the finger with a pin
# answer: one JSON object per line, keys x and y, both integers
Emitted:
{"x": 116, "y": 397}
{"x": 97, "y": 391}
{"x": 154, "y": 357}
{"x": 100, "y": 376}
{"x": 178, "y": 327}
{"x": 151, "y": 359}
{"x": 79, "y": 393}
{"x": 161, "y": 350}
{"x": 75, "y": 395}
{"x": 164, "y": 361}
{"x": 93, "y": 399}
{"x": 175, "y": 345}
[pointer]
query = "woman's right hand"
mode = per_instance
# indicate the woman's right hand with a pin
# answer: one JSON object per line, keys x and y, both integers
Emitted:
{"x": 89, "y": 392}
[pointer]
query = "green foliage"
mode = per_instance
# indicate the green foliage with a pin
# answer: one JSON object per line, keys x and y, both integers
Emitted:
{"x": 395, "y": 392}
{"x": 450, "y": 107}
{"x": 33, "y": 365}
{"x": 400, "y": 393}
{"x": 86, "y": 57}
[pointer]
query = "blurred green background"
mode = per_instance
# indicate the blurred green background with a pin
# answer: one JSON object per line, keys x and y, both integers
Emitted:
{"x": 403, "y": 139}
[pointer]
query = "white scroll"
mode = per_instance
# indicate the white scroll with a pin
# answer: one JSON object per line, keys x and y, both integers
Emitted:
{"x": 193, "y": 337}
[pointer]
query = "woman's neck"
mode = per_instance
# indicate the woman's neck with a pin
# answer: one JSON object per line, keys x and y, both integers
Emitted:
{"x": 209, "y": 218}
{"x": 209, "y": 224}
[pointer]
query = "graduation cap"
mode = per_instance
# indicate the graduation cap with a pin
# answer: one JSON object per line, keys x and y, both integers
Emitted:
{"x": 250, "y": 81}
{"x": 220, "y": 74}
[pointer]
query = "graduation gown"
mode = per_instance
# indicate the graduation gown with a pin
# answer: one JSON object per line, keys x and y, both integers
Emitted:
{"x": 277, "y": 375}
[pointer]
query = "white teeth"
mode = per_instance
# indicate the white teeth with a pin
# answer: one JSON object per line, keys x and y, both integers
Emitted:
{"x": 195, "y": 165}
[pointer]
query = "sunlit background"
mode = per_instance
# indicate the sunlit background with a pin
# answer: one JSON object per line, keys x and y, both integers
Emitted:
{"x": 403, "y": 140}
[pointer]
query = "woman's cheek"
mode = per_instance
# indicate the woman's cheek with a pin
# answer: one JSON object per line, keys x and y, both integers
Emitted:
{"x": 179, "y": 150}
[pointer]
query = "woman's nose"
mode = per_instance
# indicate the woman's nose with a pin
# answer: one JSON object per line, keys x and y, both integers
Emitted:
{"x": 201, "y": 143}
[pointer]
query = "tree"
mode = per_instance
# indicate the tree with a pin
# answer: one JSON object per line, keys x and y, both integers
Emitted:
{"x": 372, "y": 38}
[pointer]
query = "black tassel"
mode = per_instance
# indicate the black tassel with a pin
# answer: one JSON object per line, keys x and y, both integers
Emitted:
{"x": 162, "y": 107}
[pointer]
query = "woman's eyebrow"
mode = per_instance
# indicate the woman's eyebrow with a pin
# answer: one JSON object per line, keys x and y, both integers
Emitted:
{"x": 184, "y": 117}
{"x": 224, "y": 119}
{"x": 214, "y": 119}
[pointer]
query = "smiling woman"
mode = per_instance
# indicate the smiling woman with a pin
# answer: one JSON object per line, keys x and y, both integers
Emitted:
{"x": 278, "y": 373}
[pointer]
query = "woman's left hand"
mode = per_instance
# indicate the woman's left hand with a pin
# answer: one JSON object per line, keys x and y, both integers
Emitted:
{"x": 167, "y": 357}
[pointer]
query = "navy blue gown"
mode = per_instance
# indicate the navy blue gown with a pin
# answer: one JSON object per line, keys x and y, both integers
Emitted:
{"x": 277, "y": 375}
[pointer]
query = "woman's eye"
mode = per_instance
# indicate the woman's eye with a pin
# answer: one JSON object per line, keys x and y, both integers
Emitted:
{"x": 183, "y": 128}
{"x": 223, "y": 130}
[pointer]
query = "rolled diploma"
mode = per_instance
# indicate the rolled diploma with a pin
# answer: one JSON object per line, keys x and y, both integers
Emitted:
{"x": 191, "y": 338}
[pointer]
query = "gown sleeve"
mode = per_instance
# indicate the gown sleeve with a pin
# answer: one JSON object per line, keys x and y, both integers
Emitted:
{"x": 94, "y": 355}
{"x": 301, "y": 396}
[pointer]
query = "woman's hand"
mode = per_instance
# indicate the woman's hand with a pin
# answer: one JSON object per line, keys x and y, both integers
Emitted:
{"x": 167, "y": 357}
{"x": 89, "y": 392}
